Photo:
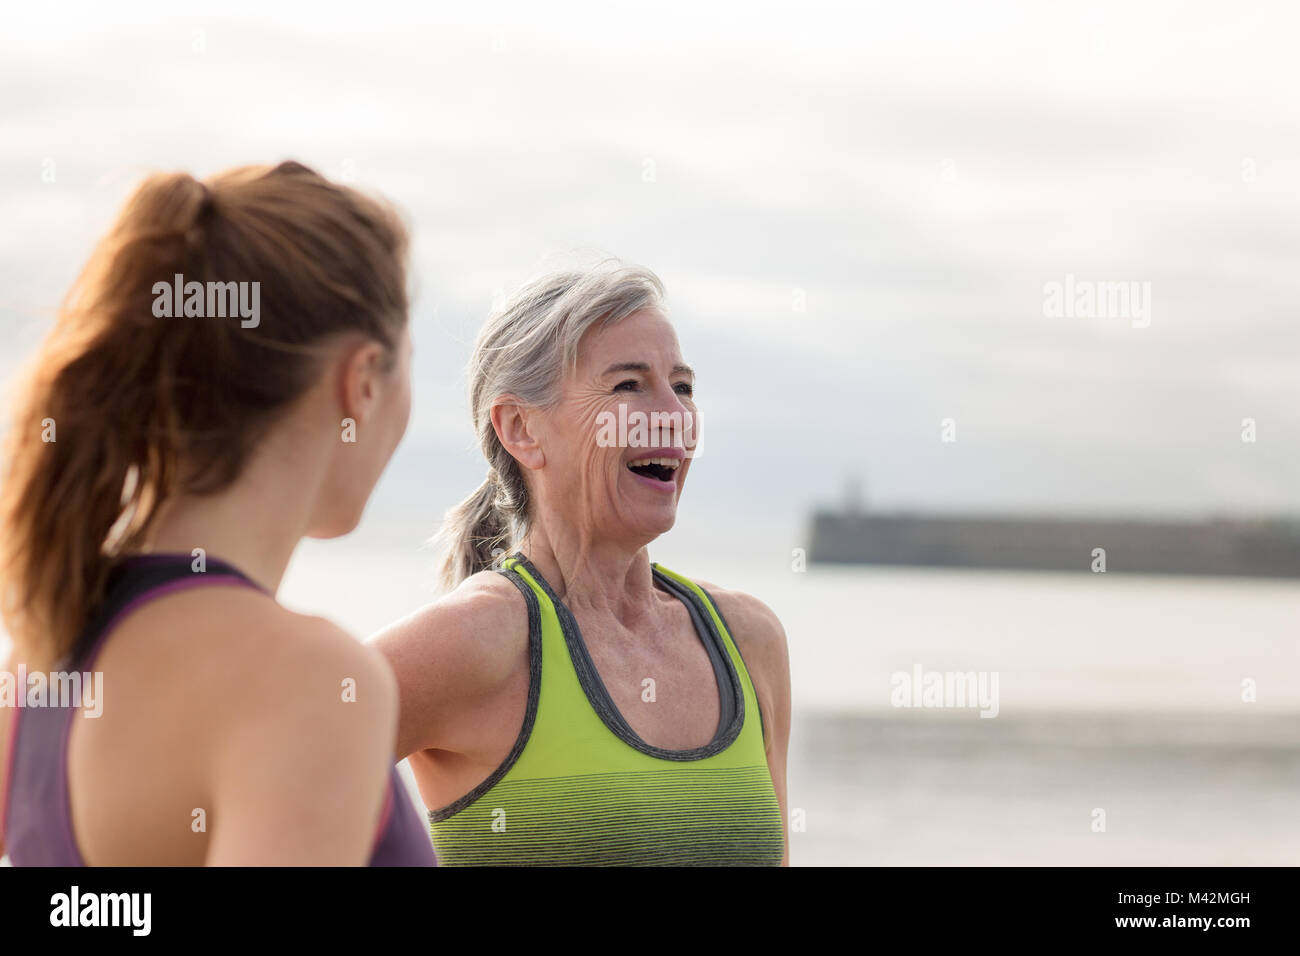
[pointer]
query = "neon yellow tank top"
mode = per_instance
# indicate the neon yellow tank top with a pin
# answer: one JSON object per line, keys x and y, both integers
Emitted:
{"x": 580, "y": 787}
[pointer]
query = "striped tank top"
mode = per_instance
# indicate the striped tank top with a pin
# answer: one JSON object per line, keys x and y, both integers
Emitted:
{"x": 581, "y": 788}
{"x": 36, "y": 813}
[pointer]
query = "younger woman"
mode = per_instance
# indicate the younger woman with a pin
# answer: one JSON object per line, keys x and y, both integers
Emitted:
{"x": 229, "y": 375}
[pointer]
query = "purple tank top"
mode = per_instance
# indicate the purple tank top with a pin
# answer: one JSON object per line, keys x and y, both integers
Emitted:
{"x": 37, "y": 816}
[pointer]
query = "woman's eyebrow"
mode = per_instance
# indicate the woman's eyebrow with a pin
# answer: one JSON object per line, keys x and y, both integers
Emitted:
{"x": 627, "y": 367}
{"x": 643, "y": 367}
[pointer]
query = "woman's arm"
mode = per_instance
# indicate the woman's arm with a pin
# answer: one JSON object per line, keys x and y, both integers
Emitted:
{"x": 761, "y": 640}
{"x": 451, "y": 659}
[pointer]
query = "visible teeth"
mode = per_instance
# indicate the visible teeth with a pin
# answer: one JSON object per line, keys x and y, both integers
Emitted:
{"x": 666, "y": 462}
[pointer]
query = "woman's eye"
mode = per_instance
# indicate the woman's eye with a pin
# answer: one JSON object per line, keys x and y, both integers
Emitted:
{"x": 684, "y": 388}
{"x": 626, "y": 386}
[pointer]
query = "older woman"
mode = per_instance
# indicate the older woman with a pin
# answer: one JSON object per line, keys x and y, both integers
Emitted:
{"x": 569, "y": 701}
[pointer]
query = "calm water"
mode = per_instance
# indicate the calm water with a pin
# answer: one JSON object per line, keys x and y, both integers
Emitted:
{"x": 933, "y": 789}
{"x": 1119, "y": 694}
{"x": 1058, "y": 642}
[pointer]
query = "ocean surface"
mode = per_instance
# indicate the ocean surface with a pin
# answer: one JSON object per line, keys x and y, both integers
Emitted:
{"x": 1121, "y": 735}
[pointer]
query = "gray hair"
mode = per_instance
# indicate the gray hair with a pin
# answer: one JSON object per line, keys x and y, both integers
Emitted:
{"x": 525, "y": 349}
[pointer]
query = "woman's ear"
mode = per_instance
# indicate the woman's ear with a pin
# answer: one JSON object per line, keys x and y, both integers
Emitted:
{"x": 517, "y": 426}
{"x": 361, "y": 380}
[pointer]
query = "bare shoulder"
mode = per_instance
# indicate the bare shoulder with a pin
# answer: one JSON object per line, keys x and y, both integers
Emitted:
{"x": 453, "y": 660}
{"x": 234, "y": 654}
{"x": 296, "y": 721}
{"x": 316, "y": 692}
{"x": 325, "y": 661}
{"x": 474, "y": 634}
{"x": 242, "y": 706}
{"x": 753, "y": 625}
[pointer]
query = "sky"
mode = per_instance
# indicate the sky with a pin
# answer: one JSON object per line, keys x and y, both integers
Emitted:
{"x": 855, "y": 209}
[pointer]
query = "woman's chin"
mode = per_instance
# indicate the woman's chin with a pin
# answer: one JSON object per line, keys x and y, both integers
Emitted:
{"x": 650, "y": 522}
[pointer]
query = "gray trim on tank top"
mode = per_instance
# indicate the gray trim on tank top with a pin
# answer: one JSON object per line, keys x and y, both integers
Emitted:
{"x": 602, "y": 703}
{"x": 699, "y": 618}
{"x": 727, "y": 627}
{"x": 731, "y": 717}
{"x": 530, "y": 714}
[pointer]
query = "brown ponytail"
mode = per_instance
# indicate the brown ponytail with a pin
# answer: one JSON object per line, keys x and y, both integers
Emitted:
{"x": 122, "y": 408}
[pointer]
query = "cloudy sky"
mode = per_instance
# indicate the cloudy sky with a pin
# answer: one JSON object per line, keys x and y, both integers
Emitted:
{"x": 855, "y": 209}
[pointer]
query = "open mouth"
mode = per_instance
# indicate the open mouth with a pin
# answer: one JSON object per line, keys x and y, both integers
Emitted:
{"x": 660, "y": 469}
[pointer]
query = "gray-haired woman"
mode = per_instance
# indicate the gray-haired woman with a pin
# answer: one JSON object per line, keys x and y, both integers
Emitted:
{"x": 569, "y": 701}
